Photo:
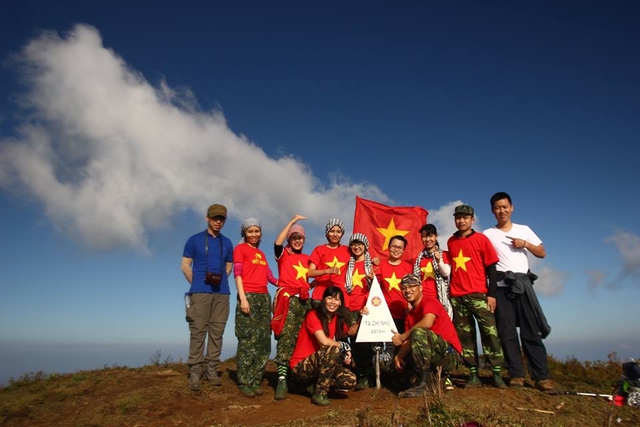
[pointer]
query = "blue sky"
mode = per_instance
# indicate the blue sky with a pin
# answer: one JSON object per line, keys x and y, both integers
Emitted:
{"x": 121, "y": 123}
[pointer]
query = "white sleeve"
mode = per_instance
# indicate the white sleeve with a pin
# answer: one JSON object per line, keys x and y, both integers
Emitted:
{"x": 445, "y": 269}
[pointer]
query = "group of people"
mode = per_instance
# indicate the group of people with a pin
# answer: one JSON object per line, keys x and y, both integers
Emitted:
{"x": 482, "y": 281}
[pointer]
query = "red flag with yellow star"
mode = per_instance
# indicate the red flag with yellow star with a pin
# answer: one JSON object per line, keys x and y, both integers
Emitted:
{"x": 381, "y": 222}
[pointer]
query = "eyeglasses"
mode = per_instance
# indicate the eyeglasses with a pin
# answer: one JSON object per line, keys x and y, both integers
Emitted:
{"x": 398, "y": 247}
{"x": 357, "y": 244}
{"x": 218, "y": 219}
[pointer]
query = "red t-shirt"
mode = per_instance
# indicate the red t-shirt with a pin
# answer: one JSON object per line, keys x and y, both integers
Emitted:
{"x": 324, "y": 257}
{"x": 428, "y": 275}
{"x": 442, "y": 326}
{"x": 307, "y": 344}
{"x": 469, "y": 257}
{"x": 389, "y": 277}
{"x": 293, "y": 269}
{"x": 360, "y": 287}
{"x": 254, "y": 268}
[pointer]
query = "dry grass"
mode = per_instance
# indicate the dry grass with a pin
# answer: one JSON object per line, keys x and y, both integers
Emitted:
{"x": 157, "y": 395}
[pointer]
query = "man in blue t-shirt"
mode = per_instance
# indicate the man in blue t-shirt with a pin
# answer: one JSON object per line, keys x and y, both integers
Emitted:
{"x": 206, "y": 264}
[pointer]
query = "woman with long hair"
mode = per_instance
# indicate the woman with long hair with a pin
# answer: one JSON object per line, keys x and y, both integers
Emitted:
{"x": 322, "y": 353}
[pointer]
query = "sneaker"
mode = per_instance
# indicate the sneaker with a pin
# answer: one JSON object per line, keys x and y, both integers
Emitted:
{"x": 281, "y": 389}
{"x": 211, "y": 374}
{"x": 498, "y": 382}
{"x": 247, "y": 391}
{"x": 545, "y": 385}
{"x": 448, "y": 384}
{"x": 517, "y": 382}
{"x": 257, "y": 389}
{"x": 194, "y": 378}
{"x": 473, "y": 382}
{"x": 363, "y": 383}
{"x": 320, "y": 399}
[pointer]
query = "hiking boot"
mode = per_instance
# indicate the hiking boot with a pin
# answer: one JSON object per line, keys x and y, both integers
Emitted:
{"x": 281, "y": 389}
{"x": 498, "y": 382}
{"x": 473, "y": 381}
{"x": 247, "y": 391}
{"x": 257, "y": 389}
{"x": 194, "y": 378}
{"x": 320, "y": 399}
{"x": 545, "y": 385}
{"x": 517, "y": 382}
{"x": 448, "y": 384}
{"x": 416, "y": 391}
{"x": 211, "y": 374}
{"x": 363, "y": 383}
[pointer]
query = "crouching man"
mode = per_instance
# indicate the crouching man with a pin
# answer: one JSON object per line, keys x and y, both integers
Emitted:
{"x": 429, "y": 340}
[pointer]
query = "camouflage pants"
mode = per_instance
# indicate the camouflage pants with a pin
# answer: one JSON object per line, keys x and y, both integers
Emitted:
{"x": 289, "y": 335}
{"x": 326, "y": 368}
{"x": 429, "y": 350}
{"x": 254, "y": 339}
{"x": 467, "y": 310}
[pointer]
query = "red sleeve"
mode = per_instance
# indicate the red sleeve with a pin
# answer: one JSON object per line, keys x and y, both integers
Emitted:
{"x": 312, "y": 323}
{"x": 315, "y": 257}
{"x": 270, "y": 277}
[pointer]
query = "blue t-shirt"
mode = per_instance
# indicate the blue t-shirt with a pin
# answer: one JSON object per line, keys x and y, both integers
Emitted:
{"x": 195, "y": 249}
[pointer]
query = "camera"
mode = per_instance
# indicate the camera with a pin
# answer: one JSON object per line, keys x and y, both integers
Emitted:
{"x": 213, "y": 279}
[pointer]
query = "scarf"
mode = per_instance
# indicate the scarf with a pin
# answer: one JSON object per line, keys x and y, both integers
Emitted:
{"x": 442, "y": 284}
{"x": 368, "y": 269}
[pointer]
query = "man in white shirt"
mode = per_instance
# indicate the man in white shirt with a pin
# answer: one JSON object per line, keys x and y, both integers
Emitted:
{"x": 517, "y": 305}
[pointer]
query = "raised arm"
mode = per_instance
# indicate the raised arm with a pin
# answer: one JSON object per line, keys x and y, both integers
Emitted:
{"x": 283, "y": 234}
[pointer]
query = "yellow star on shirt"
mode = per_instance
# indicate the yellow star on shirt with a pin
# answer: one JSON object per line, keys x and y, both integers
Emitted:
{"x": 427, "y": 271}
{"x": 356, "y": 279}
{"x": 301, "y": 269}
{"x": 394, "y": 282}
{"x": 335, "y": 263}
{"x": 389, "y": 232}
{"x": 461, "y": 261}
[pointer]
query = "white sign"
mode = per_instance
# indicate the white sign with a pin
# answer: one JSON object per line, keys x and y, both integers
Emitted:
{"x": 377, "y": 325}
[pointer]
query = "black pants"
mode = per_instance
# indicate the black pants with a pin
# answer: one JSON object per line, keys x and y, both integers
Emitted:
{"x": 512, "y": 312}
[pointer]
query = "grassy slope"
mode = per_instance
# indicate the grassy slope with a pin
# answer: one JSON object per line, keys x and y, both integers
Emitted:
{"x": 157, "y": 395}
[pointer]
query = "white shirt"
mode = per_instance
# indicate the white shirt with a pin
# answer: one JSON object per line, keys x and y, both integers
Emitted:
{"x": 510, "y": 257}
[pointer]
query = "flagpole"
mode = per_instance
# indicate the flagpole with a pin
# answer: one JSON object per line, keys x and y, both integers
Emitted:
{"x": 377, "y": 349}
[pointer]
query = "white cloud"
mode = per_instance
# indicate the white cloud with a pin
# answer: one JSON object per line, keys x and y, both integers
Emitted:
{"x": 627, "y": 245}
{"x": 442, "y": 218}
{"x": 110, "y": 156}
{"x": 550, "y": 282}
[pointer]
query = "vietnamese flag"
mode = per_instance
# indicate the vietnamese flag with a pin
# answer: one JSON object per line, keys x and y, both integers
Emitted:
{"x": 381, "y": 222}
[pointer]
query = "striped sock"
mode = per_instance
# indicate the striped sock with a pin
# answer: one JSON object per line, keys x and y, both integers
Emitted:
{"x": 282, "y": 371}
{"x": 473, "y": 370}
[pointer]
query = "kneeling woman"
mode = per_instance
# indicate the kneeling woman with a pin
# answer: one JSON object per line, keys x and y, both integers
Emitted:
{"x": 322, "y": 353}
